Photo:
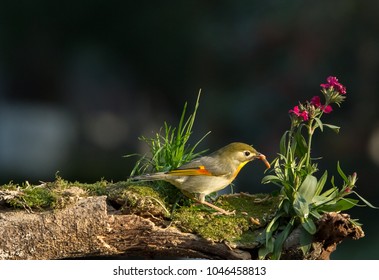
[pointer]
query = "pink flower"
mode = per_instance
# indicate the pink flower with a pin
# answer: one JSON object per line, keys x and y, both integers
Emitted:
{"x": 316, "y": 101}
{"x": 327, "y": 109}
{"x": 332, "y": 82}
{"x": 302, "y": 114}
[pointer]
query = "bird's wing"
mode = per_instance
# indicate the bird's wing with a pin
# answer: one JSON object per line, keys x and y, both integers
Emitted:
{"x": 206, "y": 166}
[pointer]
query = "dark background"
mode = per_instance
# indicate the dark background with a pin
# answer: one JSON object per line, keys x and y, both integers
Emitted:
{"x": 81, "y": 80}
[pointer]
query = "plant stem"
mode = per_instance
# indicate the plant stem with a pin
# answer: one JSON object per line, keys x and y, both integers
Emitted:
{"x": 290, "y": 138}
{"x": 310, "y": 134}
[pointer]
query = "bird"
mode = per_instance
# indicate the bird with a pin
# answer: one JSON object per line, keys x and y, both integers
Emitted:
{"x": 207, "y": 174}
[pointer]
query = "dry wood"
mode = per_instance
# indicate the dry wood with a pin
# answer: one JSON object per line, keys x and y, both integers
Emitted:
{"x": 89, "y": 228}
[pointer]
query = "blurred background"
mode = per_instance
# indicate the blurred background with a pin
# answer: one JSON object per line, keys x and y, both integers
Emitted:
{"x": 80, "y": 81}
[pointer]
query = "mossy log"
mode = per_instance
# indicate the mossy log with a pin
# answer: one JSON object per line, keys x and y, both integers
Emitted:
{"x": 62, "y": 220}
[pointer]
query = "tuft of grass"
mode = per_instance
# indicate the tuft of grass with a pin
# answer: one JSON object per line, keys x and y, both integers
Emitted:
{"x": 169, "y": 148}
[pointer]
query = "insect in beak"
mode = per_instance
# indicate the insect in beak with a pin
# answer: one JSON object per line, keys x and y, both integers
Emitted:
{"x": 262, "y": 157}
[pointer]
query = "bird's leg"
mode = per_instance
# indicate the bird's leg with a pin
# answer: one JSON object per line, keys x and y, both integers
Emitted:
{"x": 201, "y": 200}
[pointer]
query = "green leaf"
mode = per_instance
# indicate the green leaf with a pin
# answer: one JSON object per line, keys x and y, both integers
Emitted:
{"x": 300, "y": 205}
{"x": 365, "y": 201}
{"x": 331, "y": 193}
{"x": 278, "y": 244}
{"x": 301, "y": 163}
{"x": 266, "y": 249}
{"x": 192, "y": 150}
{"x": 319, "y": 200}
{"x": 319, "y": 123}
{"x": 285, "y": 205}
{"x": 315, "y": 214}
{"x": 342, "y": 174}
{"x": 321, "y": 183}
{"x": 308, "y": 188}
{"x": 180, "y": 126}
{"x": 309, "y": 225}
{"x": 271, "y": 227}
{"x": 335, "y": 128}
{"x": 278, "y": 170}
{"x": 301, "y": 144}
{"x": 305, "y": 241}
{"x": 283, "y": 143}
{"x": 341, "y": 205}
{"x": 270, "y": 179}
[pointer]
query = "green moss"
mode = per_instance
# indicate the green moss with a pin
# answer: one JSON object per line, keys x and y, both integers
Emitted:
{"x": 36, "y": 198}
{"x": 60, "y": 193}
{"x": 252, "y": 212}
{"x": 138, "y": 199}
{"x": 48, "y": 195}
{"x": 97, "y": 188}
{"x": 215, "y": 227}
{"x": 261, "y": 207}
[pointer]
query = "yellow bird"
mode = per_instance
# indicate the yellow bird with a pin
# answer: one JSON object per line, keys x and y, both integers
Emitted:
{"x": 208, "y": 174}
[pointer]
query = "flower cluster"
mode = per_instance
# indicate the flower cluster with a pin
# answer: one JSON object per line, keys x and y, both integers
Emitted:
{"x": 332, "y": 83}
{"x": 301, "y": 113}
{"x": 333, "y": 92}
{"x": 316, "y": 101}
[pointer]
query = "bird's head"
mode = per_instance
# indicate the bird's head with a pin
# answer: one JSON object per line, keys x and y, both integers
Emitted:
{"x": 241, "y": 153}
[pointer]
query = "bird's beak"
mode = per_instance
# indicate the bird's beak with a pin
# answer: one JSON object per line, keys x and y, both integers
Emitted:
{"x": 263, "y": 158}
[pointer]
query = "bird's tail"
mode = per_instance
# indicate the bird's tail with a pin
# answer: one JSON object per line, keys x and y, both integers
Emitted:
{"x": 149, "y": 177}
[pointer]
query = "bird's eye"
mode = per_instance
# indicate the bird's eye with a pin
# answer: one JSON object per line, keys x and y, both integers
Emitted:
{"x": 247, "y": 153}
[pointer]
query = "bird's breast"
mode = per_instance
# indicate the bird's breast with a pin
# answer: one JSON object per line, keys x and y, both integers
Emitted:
{"x": 202, "y": 184}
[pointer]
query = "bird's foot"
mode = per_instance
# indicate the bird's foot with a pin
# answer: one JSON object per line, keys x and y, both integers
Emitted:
{"x": 219, "y": 210}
